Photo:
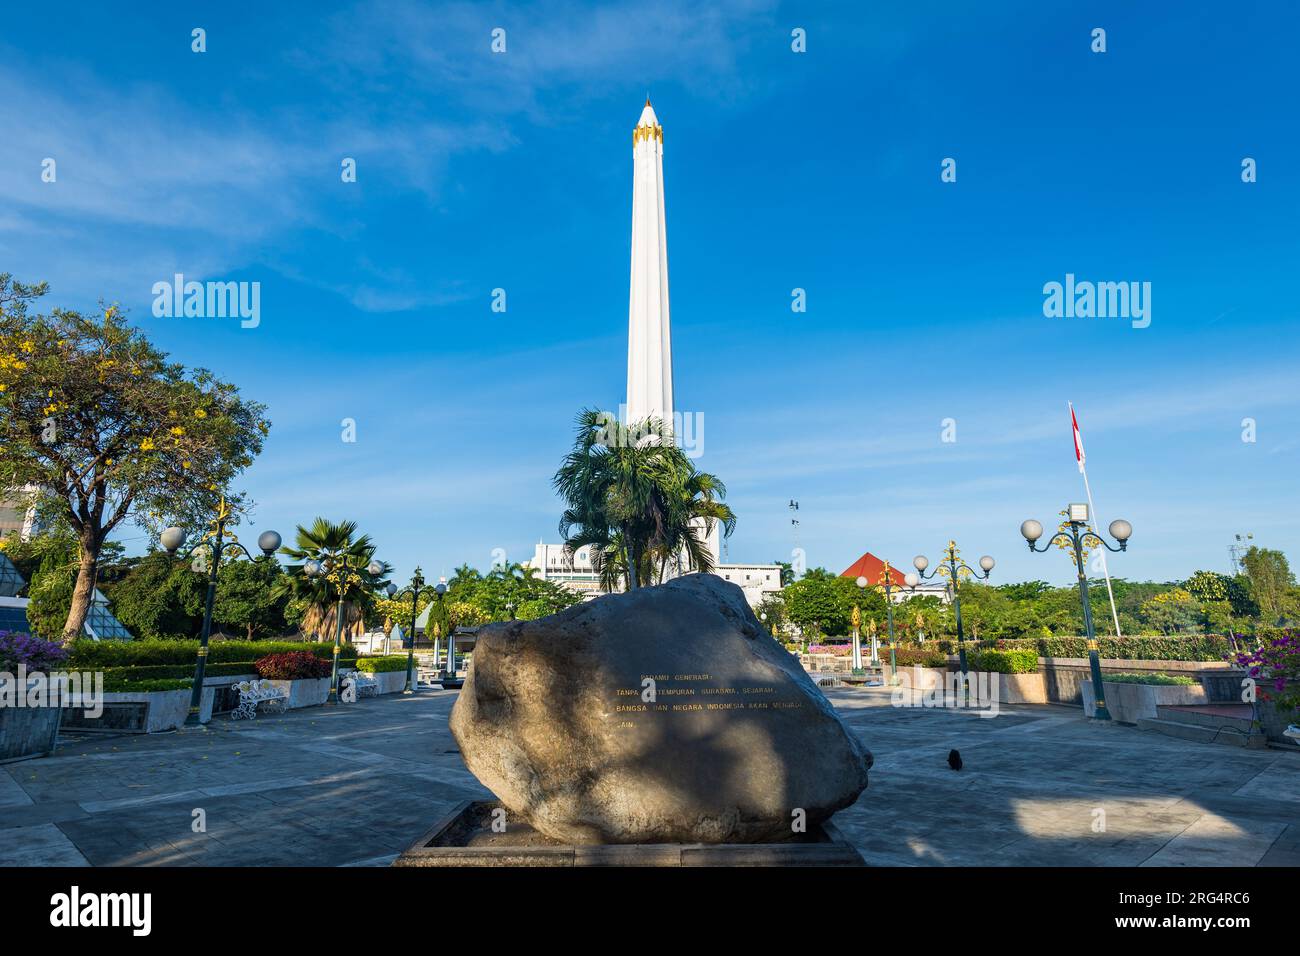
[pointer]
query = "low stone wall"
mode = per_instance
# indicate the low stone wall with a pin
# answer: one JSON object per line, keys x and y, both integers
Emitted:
{"x": 159, "y": 710}
{"x": 391, "y": 682}
{"x": 1220, "y": 680}
{"x": 1129, "y": 703}
{"x": 27, "y": 732}
{"x": 311, "y": 692}
{"x": 1022, "y": 688}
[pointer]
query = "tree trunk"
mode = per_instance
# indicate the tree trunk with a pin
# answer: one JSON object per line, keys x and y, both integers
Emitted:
{"x": 631, "y": 558}
{"x": 84, "y": 591}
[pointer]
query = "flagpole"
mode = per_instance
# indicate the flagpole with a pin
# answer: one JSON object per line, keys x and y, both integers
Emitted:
{"x": 1092, "y": 513}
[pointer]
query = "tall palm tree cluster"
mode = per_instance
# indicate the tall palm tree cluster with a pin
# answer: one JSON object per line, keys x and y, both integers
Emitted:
{"x": 330, "y": 544}
{"x": 637, "y": 503}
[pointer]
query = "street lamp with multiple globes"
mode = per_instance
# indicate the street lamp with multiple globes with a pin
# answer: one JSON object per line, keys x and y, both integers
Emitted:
{"x": 886, "y": 584}
{"x": 1075, "y": 532}
{"x": 953, "y": 568}
{"x": 416, "y": 588}
{"x": 338, "y": 572}
{"x": 219, "y": 541}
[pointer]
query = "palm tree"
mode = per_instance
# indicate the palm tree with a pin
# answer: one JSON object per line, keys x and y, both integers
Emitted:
{"x": 330, "y": 544}
{"x": 638, "y": 506}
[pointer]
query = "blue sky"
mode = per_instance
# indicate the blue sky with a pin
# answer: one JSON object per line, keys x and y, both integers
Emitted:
{"x": 818, "y": 170}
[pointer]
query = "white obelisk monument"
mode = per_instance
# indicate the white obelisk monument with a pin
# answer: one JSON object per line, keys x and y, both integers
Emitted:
{"x": 649, "y": 338}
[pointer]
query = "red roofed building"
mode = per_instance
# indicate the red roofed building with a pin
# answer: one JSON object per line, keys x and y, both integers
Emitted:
{"x": 873, "y": 569}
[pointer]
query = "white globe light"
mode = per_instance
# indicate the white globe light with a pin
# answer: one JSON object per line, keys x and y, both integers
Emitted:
{"x": 862, "y": 581}
{"x": 172, "y": 539}
{"x": 912, "y": 579}
{"x": 1032, "y": 530}
{"x": 268, "y": 541}
{"x": 312, "y": 568}
{"x": 987, "y": 563}
{"x": 1120, "y": 529}
{"x": 374, "y": 568}
{"x": 920, "y": 562}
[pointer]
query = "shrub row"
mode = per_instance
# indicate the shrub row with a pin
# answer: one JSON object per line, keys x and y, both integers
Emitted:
{"x": 117, "y": 684}
{"x": 913, "y": 656}
{"x": 1162, "y": 679}
{"x": 382, "y": 665}
{"x": 1014, "y": 661}
{"x": 1195, "y": 647}
{"x": 85, "y": 654}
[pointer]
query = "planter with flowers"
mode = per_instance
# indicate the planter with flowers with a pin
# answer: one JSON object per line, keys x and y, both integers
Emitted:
{"x": 29, "y": 703}
{"x": 303, "y": 676}
{"x": 1275, "y": 666}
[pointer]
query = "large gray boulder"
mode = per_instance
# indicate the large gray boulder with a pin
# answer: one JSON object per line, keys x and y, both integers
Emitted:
{"x": 665, "y": 715}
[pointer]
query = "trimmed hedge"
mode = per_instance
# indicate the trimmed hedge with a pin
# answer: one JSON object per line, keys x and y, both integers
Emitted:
{"x": 912, "y": 656}
{"x": 117, "y": 684}
{"x": 180, "y": 671}
{"x": 1161, "y": 679}
{"x": 1017, "y": 661}
{"x": 85, "y": 654}
{"x": 1195, "y": 647}
{"x": 382, "y": 665}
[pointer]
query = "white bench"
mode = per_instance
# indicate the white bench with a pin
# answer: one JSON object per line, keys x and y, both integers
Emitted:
{"x": 364, "y": 684}
{"x": 255, "y": 693}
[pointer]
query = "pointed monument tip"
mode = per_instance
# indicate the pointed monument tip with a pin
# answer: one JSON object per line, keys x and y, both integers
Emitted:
{"x": 648, "y": 117}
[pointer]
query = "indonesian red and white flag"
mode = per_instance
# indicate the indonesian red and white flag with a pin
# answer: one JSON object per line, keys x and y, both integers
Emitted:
{"x": 1078, "y": 439}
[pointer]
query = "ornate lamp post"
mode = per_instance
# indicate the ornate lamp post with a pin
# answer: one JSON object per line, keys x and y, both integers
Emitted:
{"x": 339, "y": 573}
{"x": 953, "y": 568}
{"x": 856, "y": 621}
{"x": 886, "y": 584}
{"x": 1075, "y": 532}
{"x": 219, "y": 541}
{"x": 861, "y": 582}
{"x": 416, "y": 588}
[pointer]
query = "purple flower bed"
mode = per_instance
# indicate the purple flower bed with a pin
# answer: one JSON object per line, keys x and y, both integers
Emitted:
{"x": 1276, "y": 665}
{"x": 40, "y": 657}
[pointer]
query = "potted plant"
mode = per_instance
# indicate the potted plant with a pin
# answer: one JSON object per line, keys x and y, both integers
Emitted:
{"x": 1275, "y": 665}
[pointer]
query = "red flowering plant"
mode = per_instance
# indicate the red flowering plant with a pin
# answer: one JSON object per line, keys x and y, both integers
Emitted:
{"x": 295, "y": 665}
{"x": 1275, "y": 664}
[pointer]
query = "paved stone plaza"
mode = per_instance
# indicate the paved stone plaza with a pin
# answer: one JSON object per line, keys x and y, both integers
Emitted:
{"x": 356, "y": 785}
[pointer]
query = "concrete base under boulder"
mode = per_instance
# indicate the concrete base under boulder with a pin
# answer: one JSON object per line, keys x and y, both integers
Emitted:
{"x": 465, "y": 838}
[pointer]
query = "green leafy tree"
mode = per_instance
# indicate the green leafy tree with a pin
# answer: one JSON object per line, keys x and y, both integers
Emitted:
{"x": 1270, "y": 580}
{"x": 1173, "y": 612}
{"x": 506, "y": 592}
{"x": 821, "y": 603}
{"x": 248, "y": 599}
{"x": 98, "y": 418}
{"x": 772, "y": 612}
{"x": 160, "y": 597}
{"x": 50, "y": 594}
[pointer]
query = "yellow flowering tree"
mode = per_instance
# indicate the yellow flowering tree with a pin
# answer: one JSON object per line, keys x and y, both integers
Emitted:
{"x": 99, "y": 420}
